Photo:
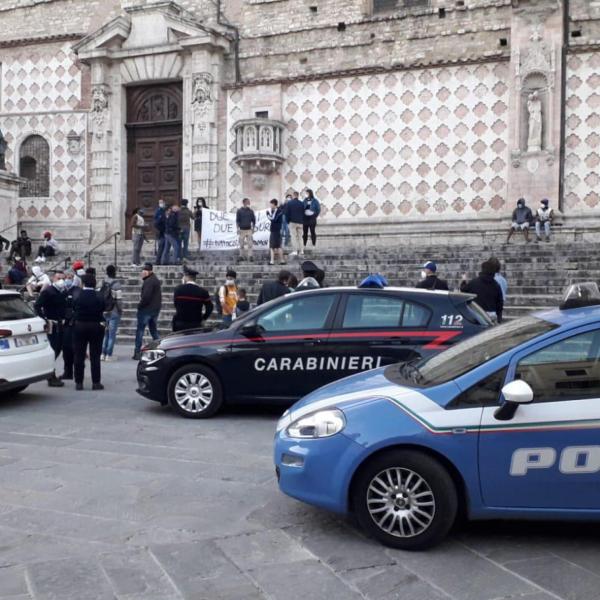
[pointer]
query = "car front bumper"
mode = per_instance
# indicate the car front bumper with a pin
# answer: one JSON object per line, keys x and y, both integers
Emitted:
{"x": 152, "y": 381}
{"x": 317, "y": 471}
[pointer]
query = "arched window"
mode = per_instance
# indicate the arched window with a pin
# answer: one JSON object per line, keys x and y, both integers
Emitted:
{"x": 34, "y": 166}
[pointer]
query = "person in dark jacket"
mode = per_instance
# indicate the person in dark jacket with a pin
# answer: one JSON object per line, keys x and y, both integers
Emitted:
{"x": 275, "y": 216}
{"x": 246, "y": 223}
{"x": 192, "y": 303}
{"x": 88, "y": 332}
{"x": 522, "y": 218}
{"x": 172, "y": 237}
{"x": 51, "y": 305}
{"x": 17, "y": 274}
{"x": 185, "y": 217}
{"x": 148, "y": 308}
{"x": 487, "y": 290}
{"x": 312, "y": 209}
{"x": 429, "y": 278}
{"x": 21, "y": 246}
{"x": 200, "y": 205}
{"x": 160, "y": 223}
{"x": 72, "y": 291}
{"x": 294, "y": 214}
{"x": 275, "y": 288}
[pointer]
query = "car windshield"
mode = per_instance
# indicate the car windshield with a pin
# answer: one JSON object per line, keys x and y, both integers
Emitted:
{"x": 467, "y": 355}
{"x": 13, "y": 308}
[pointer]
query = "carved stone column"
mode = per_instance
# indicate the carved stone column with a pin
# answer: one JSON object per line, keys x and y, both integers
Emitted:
{"x": 535, "y": 102}
{"x": 100, "y": 203}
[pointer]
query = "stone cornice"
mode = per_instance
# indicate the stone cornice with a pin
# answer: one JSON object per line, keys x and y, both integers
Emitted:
{"x": 367, "y": 71}
{"x": 42, "y": 39}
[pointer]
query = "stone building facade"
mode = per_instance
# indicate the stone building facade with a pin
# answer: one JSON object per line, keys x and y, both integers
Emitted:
{"x": 397, "y": 113}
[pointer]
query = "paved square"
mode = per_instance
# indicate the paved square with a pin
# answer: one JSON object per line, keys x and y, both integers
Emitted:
{"x": 106, "y": 495}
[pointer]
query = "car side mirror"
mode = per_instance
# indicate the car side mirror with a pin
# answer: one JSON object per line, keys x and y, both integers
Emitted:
{"x": 250, "y": 329}
{"x": 516, "y": 392}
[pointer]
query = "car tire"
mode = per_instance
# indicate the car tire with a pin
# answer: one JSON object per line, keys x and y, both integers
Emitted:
{"x": 410, "y": 517}
{"x": 195, "y": 392}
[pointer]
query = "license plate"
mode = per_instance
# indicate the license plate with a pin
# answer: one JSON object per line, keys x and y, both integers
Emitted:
{"x": 27, "y": 340}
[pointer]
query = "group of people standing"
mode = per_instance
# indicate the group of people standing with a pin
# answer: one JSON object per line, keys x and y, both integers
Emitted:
{"x": 291, "y": 222}
{"x": 172, "y": 224}
{"x": 82, "y": 319}
{"x": 490, "y": 286}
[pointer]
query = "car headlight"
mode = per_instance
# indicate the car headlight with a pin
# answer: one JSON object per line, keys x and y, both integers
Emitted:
{"x": 152, "y": 356}
{"x": 321, "y": 424}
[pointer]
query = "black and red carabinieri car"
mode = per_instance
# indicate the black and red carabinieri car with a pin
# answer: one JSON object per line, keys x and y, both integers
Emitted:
{"x": 286, "y": 348}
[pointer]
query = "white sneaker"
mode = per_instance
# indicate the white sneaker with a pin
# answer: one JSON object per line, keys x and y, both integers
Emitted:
{"x": 110, "y": 358}
{"x": 38, "y": 259}
{"x": 103, "y": 357}
{"x": 133, "y": 265}
{"x": 294, "y": 253}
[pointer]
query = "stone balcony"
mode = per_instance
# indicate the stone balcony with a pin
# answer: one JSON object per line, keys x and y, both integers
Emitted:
{"x": 259, "y": 144}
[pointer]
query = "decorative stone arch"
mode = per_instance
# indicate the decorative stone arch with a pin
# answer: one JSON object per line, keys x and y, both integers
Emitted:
{"x": 155, "y": 104}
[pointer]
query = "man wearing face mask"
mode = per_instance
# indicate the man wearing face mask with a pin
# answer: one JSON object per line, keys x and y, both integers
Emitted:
{"x": 228, "y": 297}
{"x": 429, "y": 278}
{"x": 521, "y": 220}
{"x": 148, "y": 308}
{"x": 543, "y": 220}
{"x": 72, "y": 291}
{"x": 51, "y": 305}
{"x": 192, "y": 303}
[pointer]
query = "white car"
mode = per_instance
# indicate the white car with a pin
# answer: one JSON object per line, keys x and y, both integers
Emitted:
{"x": 25, "y": 352}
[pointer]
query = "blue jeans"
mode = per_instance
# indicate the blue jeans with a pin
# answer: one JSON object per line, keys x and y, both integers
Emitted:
{"x": 227, "y": 320}
{"x": 185, "y": 241}
{"x": 145, "y": 319}
{"x": 160, "y": 248}
{"x": 171, "y": 242}
{"x": 110, "y": 336}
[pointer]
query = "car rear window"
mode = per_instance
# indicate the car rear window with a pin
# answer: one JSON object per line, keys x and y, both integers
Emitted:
{"x": 13, "y": 308}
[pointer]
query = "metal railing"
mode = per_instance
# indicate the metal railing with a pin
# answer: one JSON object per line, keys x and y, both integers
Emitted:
{"x": 16, "y": 224}
{"x": 114, "y": 236}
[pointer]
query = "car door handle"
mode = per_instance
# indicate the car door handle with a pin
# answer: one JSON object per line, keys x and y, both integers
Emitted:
{"x": 311, "y": 341}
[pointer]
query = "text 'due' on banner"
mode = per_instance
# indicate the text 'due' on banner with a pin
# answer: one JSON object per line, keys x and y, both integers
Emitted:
{"x": 219, "y": 230}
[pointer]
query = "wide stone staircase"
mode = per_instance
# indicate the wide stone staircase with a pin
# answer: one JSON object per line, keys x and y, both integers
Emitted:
{"x": 537, "y": 274}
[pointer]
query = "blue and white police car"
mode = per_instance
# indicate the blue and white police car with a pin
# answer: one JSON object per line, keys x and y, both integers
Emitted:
{"x": 505, "y": 424}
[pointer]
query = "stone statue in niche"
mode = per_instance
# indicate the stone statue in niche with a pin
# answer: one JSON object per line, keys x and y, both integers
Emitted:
{"x": 3, "y": 148}
{"x": 201, "y": 93}
{"x": 534, "y": 109}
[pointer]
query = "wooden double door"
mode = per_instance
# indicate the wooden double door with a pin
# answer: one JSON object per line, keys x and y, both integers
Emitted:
{"x": 154, "y": 137}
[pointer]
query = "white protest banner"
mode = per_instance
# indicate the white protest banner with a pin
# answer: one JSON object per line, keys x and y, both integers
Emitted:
{"x": 219, "y": 230}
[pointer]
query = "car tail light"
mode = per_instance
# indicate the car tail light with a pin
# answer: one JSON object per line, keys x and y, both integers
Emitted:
{"x": 4, "y": 333}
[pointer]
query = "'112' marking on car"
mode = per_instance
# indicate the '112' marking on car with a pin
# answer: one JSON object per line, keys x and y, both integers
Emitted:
{"x": 573, "y": 460}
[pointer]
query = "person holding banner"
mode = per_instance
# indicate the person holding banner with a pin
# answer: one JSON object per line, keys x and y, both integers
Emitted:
{"x": 275, "y": 216}
{"x": 200, "y": 205}
{"x": 246, "y": 223}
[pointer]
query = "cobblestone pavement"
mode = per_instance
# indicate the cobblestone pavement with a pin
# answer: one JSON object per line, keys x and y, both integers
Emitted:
{"x": 106, "y": 495}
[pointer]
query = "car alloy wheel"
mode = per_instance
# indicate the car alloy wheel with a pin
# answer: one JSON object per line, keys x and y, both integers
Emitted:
{"x": 193, "y": 392}
{"x": 405, "y": 498}
{"x": 401, "y": 502}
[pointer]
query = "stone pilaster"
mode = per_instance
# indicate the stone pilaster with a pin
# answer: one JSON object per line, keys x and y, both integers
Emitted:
{"x": 9, "y": 194}
{"x": 537, "y": 39}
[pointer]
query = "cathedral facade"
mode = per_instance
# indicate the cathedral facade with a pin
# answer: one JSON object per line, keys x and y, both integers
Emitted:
{"x": 396, "y": 113}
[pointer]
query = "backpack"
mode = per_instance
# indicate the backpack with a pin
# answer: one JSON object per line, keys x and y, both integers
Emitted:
{"x": 107, "y": 296}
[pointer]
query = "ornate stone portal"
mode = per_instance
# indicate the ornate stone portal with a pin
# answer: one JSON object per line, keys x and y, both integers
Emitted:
{"x": 126, "y": 53}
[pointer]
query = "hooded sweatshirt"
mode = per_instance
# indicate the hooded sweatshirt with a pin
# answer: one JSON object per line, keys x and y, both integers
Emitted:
{"x": 488, "y": 292}
{"x": 522, "y": 214}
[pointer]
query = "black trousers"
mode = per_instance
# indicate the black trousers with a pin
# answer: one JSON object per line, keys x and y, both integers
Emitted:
{"x": 179, "y": 325}
{"x": 46, "y": 251}
{"x": 68, "y": 350}
{"x": 306, "y": 226}
{"x": 56, "y": 339}
{"x": 84, "y": 335}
